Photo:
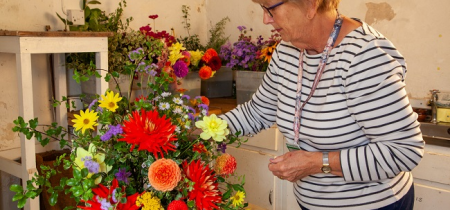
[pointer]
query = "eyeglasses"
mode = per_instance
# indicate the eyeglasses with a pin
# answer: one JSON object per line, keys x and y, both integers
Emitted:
{"x": 271, "y": 7}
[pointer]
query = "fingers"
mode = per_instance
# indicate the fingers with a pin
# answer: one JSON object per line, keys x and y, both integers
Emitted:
{"x": 276, "y": 159}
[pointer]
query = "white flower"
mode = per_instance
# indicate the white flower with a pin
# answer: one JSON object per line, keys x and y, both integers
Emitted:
{"x": 178, "y": 129}
{"x": 205, "y": 112}
{"x": 187, "y": 126}
{"x": 178, "y": 101}
{"x": 157, "y": 98}
{"x": 164, "y": 106}
{"x": 177, "y": 110}
{"x": 165, "y": 94}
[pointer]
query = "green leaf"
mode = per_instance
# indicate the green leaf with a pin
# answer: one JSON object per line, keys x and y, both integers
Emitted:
{"x": 21, "y": 202}
{"x": 33, "y": 123}
{"x": 53, "y": 199}
{"x": 94, "y": 2}
{"x": 77, "y": 174}
{"x": 77, "y": 191}
{"x": 72, "y": 182}
{"x": 226, "y": 195}
{"x": 17, "y": 197}
{"x": 84, "y": 172}
{"x": 31, "y": 194}
{"x": 29, "y": 135}
{"x": 16, "y": 188}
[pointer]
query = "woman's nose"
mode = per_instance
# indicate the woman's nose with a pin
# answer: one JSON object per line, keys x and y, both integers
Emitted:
{"x": 267, "y": 19}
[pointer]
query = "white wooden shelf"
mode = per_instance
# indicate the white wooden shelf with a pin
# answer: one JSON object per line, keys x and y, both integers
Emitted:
{"x": 25, "y": 43}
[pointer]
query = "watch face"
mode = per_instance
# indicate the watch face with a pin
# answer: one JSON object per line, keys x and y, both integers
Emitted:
{"x": 326, "y": 169}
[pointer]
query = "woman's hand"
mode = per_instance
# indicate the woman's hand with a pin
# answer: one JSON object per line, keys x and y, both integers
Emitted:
{"x": 296, "y": 165}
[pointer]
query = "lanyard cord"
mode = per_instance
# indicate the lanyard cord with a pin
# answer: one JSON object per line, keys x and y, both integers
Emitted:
{"x": 323, "y": 61}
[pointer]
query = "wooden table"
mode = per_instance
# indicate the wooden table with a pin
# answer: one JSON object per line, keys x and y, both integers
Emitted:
{"x": 25, "y": 43}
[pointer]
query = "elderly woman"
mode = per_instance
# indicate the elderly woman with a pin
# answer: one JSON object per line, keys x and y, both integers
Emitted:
{"x": 335, "y": 87}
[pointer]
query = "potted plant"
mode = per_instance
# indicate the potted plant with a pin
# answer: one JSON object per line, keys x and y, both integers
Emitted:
{"x": 143, "y": 153}
{"x": 249, "y": 59}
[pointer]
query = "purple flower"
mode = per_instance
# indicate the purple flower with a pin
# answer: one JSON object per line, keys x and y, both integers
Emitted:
{"x": 180, "y": 69}
{"x": 113, "y": 130}
{"x": 152, "y": 73}
{"x": 123, "y": 175}
{"x": 222, "y": 147}
{"x": 241, "y": 28}
{"x": 187, "y": 97}
{"x": 191, "y": 116}
{"x": 92, "y": 166}
{"x": 203, "y": 106}
{"x": 92, "y": 104}
{"x": 133, "y": 55}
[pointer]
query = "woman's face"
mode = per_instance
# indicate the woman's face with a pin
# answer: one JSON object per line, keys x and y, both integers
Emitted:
{"x": 289, "y": 19}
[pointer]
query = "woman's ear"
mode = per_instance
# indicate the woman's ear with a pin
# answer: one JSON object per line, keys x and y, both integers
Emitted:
{"x": 311, "y": 8}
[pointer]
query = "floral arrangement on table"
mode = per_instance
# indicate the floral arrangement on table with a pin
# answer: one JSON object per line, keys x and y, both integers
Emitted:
{"x": 154, "y": 152}
{"x": 249, "y": 54}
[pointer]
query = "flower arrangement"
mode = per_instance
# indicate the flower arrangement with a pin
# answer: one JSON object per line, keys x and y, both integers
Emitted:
{"x": 159, "y": 151}
{"x": 248, "y": 54}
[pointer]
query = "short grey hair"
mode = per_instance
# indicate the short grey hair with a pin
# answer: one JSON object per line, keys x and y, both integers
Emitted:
{"x": 322, "y": 5}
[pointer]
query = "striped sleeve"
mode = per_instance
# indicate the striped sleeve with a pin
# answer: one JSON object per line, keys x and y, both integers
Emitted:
{"x": 377, "y": 100}
{"x": 260, "y": 112}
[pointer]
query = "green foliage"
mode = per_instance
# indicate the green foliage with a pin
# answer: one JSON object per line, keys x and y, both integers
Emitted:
{"x": 217, "y": 36}
{"x": 190, "y": 42}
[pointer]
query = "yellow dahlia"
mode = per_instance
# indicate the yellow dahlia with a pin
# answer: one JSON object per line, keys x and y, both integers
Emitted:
{"x": 148, "y": 201}
{"x": 213, "y": 127}
{"x": 86, "y": 120}
{"x": 110, "y": 101}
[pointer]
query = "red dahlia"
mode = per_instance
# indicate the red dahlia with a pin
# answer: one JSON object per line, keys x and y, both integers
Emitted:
{"x": 206, "y": 191}
{"x": 177, "y": 205}
{"x": 150, "y": 132}
{"x": 215, "y": 63}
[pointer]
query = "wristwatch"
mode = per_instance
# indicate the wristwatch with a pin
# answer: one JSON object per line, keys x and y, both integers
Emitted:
{"x": 325, "y": 164}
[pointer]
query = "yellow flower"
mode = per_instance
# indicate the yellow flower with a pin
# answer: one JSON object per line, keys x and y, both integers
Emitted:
{"x": 110, "y": 101}
{"x": 267, "y": 52}
{"x": 213, "y": 127}
{"x": 149, "y": 201}
{"x": 96, "y": 158}
{"x": 196, "y": 56}
{"x": 86, "y": 120}
{"x": 173, "y": 57}
{"x": 176, "y": 48}
{"x": 238, "y": 198}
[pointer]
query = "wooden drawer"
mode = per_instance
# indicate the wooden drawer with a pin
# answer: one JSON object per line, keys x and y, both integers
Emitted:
{"x": 266, "y": 139}
{"x": 435, "y": 165}
{"x": 428, "y": 197}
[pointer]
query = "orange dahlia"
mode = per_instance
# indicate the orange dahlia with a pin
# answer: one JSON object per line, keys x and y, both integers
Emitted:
{"x": 150, "y": 132}
{"x": 164, "y": 174}
{"x": 205, "y": 100}
{"x": 225, "y": 164}
{"x": 205, "y": 72}
{"x": 205, "y": 191}
{"x": 210, "y": 53}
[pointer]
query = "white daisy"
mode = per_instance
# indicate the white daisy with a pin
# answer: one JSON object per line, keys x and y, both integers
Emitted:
{"x": 164, "y": 106}
{"x": 177, "y": 110}
{"x": 178, "y": 101}
{"x": 165, "y": 94}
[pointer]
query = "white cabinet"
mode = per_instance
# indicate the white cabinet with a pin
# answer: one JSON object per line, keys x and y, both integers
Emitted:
{"x": 432, "y": 178}
{"x": 264, "y": 190}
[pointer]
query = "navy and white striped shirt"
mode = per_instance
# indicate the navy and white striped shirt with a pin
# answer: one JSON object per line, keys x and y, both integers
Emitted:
{"x": 359, "y": 108}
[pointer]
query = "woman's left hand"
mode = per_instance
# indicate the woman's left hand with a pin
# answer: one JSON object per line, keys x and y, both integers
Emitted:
{"x": 296, "y": 165}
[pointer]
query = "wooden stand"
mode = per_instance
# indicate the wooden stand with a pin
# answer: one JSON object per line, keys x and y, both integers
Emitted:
{"x": 25, "y": 43}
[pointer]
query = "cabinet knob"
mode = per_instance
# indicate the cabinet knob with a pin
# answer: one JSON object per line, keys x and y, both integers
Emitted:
{"x": 270, "y": 197}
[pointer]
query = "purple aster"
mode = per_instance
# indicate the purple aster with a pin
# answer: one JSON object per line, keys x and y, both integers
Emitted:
{"x": 180, "y": 69}
{"x": 113, "y": 130}
{"x": 92, "y": 104}
{"x": 152, "y": 73}
{"x": 191, "y": 116}
{"x": 203, "y": 106}
{"x": 92, "y": 166}
{"x": 187, "y": 97}
{"x": 123, "y": 175}
{"x": 133, "y": 55}
{"x": 222, "y": 147}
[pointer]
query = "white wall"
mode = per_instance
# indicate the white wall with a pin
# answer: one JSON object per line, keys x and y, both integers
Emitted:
{"x": 419, "y": 29}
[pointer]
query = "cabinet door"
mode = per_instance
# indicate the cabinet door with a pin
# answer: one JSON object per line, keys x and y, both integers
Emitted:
{"x": 261, "y": 186}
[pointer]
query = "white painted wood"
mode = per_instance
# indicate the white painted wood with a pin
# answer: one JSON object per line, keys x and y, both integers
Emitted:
{"x": 437, "y": 161}
{"x": 60, "y": 74}
{"x": 101, "y": 60}
{"x": 63, "y": 44}
{"x": 427, "y": 197}
{"x": 11, "y": 167}
{"x": 266, "y": 139}
{"x": 23, "y": 47}
{"x": 24, "y": 74}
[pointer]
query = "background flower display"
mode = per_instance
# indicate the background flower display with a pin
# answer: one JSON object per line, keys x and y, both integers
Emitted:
{"x": 159, "y": 151}
{"x": 249, "y": 54}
